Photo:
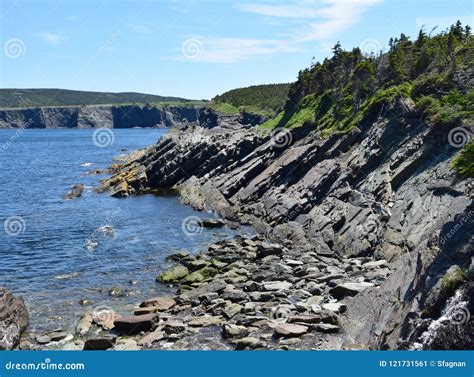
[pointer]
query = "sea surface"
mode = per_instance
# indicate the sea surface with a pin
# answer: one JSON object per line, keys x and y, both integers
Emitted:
{"x": 56, "y": 252}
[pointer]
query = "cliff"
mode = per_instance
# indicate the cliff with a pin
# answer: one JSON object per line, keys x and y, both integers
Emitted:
{"x": 98, "y": 116}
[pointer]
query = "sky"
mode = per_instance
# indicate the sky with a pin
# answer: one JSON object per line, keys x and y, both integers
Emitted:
{"x": 195, "y": 48}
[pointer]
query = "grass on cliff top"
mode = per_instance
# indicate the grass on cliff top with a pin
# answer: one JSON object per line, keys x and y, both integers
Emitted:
{"x": 463, "y": 163}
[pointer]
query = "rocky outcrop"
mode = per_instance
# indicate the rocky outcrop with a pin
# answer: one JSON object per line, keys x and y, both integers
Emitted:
{"x": 13, "y": 320}
{"x": 127, "y": 116}
{"x": 383, "y": 190}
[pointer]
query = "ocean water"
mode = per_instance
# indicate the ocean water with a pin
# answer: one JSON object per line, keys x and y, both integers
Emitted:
{"x": 56, "y": 252}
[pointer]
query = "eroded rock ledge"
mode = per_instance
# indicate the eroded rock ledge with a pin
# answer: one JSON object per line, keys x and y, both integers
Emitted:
{"x": 383, "y": 190}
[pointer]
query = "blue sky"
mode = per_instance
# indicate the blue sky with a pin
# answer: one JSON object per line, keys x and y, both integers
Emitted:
{"x": 195, "y": 48}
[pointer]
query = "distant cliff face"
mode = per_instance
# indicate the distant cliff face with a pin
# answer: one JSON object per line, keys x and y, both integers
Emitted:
{"x": 98, "y": 116}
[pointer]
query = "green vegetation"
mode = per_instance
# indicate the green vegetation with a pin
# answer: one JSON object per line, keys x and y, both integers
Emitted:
{"x": 351, "y": 88}
{"x": 464, "y": 161}
{"x": 265, "y": 99}
{"x": 452, "y": 280}
{"x": 63, "y": 97}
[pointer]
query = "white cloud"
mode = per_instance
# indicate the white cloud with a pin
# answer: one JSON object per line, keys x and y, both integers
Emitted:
{"x": 329, "y": 17}
{"x": 318, "y": 20}
{"x": 283, "y": 11}
{"x": 52, "y": 38}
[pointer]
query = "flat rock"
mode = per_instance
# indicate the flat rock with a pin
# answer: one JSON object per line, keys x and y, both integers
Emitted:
{"x": 152, "y": 337}
{"x": 290, "y": 330}
{"x": 277, "y": 285}
{"x": 159, "y": 303}
{"x": 135, "y": 324}
{"x": 349, "y": 289}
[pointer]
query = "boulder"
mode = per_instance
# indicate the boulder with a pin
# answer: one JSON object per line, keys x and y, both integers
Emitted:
{"x": 13, "y": 320}
{"x": 173, "y": 275}
{"x": 135, "y": 324}
{"x": 234, "y": 331}
{"x": 76, "y": 192}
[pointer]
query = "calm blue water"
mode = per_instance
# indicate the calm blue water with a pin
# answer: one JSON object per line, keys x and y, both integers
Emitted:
{"x": 48, "y": 261}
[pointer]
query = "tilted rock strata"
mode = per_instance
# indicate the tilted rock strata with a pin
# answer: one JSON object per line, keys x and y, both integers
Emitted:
{"x": 383, "y": 190}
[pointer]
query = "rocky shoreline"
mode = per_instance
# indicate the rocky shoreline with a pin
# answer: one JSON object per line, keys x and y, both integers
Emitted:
{"x": 244, "y": 293}
{"x": 364, "y": 241}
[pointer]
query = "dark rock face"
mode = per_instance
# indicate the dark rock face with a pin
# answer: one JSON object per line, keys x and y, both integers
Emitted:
{"x": 13, "y": 320}
{"x": 383, "y": 190}
{"x": 98, "y": 116}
